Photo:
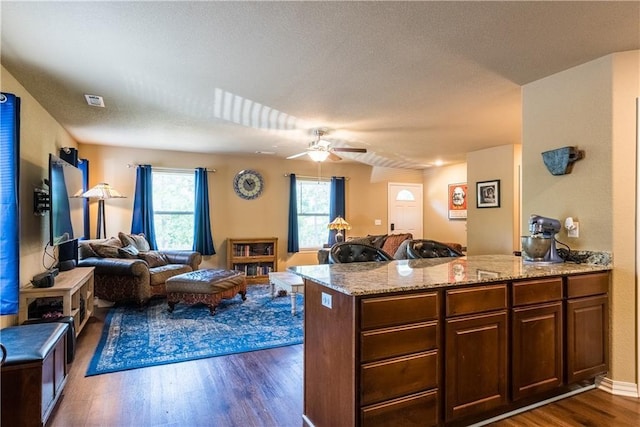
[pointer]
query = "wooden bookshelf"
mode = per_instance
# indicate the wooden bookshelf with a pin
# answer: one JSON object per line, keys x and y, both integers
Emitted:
{"x": 255, "y": 257}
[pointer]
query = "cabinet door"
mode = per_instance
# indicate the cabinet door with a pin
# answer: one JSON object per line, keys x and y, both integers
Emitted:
{"x": 475, "y": 364}
{"x": 536, "y": 349}
{"x": 587, "y": 337}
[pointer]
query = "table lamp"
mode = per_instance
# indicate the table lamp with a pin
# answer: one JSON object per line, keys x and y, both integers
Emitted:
{"x": 339, "y": 224}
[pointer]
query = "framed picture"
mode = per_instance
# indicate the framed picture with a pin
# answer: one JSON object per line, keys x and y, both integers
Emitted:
{"x": 457, "y": 201}
{"x": 457, "y": 270}
{"x": 488, "y": 194}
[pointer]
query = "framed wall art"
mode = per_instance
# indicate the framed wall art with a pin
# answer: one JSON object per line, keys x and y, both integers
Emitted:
{"x": 488, "y": 194}
{"x": 457, "y": 201}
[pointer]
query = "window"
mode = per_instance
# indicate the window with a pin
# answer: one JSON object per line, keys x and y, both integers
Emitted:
{"x": 173, "y": 205}
{"x": 313, "y": 212}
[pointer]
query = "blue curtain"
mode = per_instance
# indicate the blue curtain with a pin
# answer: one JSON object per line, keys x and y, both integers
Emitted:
{"x": 293, "y": 244}
{"x": 143, "y": 206}
{"x": 83, "y": 165}
{"x": 202, "y": 239}
{"x": 336, "y": 203}
{"x": 9, "y": 206}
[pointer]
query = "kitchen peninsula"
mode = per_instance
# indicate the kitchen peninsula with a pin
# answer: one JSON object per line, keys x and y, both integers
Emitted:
{"x": 448, "y": 341}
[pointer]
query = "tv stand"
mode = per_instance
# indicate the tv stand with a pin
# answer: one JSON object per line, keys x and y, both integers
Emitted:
{"x": 74, "y": 287}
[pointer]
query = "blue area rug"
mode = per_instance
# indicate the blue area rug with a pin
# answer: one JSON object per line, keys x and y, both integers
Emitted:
{"x": 134, "y": 338}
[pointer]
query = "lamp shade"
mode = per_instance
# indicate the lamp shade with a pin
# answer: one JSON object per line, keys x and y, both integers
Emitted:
{"x": 339, "y": 224}
{"x": 102, "y": 191}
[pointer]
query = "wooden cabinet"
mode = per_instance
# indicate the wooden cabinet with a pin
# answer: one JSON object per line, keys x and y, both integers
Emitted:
{"x": 536, "y": 344}
{"x": 73, "y": 287}
{"x": 452, "y": 356}
{"x": 399, "y": 360}
{"x": 587, "y": 312}
{"x": 255, "y": 257}
{"x": 371, "y": 361}
{"x": 475, "y": 350}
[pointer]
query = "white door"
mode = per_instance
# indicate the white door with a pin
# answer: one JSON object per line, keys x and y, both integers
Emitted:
{"x": 405, "y": 209}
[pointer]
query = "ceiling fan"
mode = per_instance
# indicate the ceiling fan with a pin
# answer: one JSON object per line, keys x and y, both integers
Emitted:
{"x": 320, "y": 149}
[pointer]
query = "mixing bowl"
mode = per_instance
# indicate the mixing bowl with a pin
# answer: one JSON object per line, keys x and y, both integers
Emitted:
{"x": 535, "y": 248}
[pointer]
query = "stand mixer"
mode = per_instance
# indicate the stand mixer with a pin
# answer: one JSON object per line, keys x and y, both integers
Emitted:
{"x": 540, "y": 247}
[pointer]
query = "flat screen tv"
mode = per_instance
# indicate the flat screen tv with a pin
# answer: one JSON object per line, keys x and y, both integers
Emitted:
{"x": 66, "y": 218}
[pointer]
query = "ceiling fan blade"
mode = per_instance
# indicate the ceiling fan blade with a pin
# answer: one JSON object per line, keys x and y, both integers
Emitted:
{"x": 350, "y": 150}
{"x": 295, "y": 156}
{"x": 333, "y": 156}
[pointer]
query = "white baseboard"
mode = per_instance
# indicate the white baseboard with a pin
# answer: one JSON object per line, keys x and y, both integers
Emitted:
{"x": 618, "y": 388}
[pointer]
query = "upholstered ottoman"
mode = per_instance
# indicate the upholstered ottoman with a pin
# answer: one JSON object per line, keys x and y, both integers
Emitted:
{"x": 208, "y": 286}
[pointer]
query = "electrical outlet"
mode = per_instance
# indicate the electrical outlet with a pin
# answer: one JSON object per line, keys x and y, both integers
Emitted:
{"x": 377, "y": 222}
{"x": 326, "y": 300}
{"x": 575, "y": 232}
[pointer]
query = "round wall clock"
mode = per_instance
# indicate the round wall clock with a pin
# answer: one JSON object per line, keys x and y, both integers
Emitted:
{"x": 248, "y": 184}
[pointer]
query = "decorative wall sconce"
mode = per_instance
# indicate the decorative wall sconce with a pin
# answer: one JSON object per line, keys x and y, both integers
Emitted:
{"x": 560, "y": 161}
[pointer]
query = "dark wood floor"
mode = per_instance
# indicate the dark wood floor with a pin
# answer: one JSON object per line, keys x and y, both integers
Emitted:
{"x": 262, "y": 388}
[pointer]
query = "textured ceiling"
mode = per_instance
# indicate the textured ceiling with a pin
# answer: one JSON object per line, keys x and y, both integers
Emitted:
{"x": 413, "y": 82}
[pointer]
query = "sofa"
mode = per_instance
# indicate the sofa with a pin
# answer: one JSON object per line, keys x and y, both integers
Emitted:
{"x": 127, "y": 270}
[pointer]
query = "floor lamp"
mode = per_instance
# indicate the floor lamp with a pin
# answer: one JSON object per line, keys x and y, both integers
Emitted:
{"x": 102, "y": 192}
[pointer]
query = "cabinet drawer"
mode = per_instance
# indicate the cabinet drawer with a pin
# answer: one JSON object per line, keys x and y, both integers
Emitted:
{"x": 398, "y": 310}
{"x": 398, "y": 377}
{"x": 417, "y": 410}
{"x": 537, "y": 291}
{"x": 476, "y": 300}
{"x": 399, "y": 341}
{"x": 587, "y": 284}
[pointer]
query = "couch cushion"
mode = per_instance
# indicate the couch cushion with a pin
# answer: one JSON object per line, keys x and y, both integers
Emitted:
{"x": 153, "y": 258}
{"x": 137, "y": 240}
{"x": 393, "y": 241}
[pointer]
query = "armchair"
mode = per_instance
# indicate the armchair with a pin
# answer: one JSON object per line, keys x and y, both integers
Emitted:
{"x": 132, "y": 272}
{"x": 356, "y": 252}
{"x": 423, "y": 248}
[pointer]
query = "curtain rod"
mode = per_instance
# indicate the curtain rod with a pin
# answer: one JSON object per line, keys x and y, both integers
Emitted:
{"x": 164, "y": 169}
{"x": 313, "y": 177}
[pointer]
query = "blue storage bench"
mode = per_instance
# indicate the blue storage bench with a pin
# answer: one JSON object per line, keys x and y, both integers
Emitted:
{"x": 34, "y": 372}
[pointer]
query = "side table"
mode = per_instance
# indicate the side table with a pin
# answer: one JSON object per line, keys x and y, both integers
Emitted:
{"x": 73, "y": 286}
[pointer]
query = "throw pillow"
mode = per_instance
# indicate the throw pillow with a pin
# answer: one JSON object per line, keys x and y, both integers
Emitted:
{"x": 153, "y": 258}
{"x": 377, "y": 240}
{"x": 128, "y": 251}
{"x": 137, "y": 240}
{"x": 393, "y": 241}
{"x": 105, "y": 251}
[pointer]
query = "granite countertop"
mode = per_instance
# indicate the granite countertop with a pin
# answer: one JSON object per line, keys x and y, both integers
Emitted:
{"x": 370, "y": 278}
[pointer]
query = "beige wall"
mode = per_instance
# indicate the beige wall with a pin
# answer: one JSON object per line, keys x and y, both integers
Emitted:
{"x": 40, "y": 135}
{"x": 437, "y": 225}
{"x": 231, "y": 216}
{"x": 494, "y": 230}
{"x": 592, "y": 107}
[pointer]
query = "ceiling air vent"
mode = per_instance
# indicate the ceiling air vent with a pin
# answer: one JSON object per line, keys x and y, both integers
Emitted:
{"x": 94, "y": 100}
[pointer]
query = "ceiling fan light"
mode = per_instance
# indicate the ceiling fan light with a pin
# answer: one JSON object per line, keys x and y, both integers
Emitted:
{"x": 318, "y": 155}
